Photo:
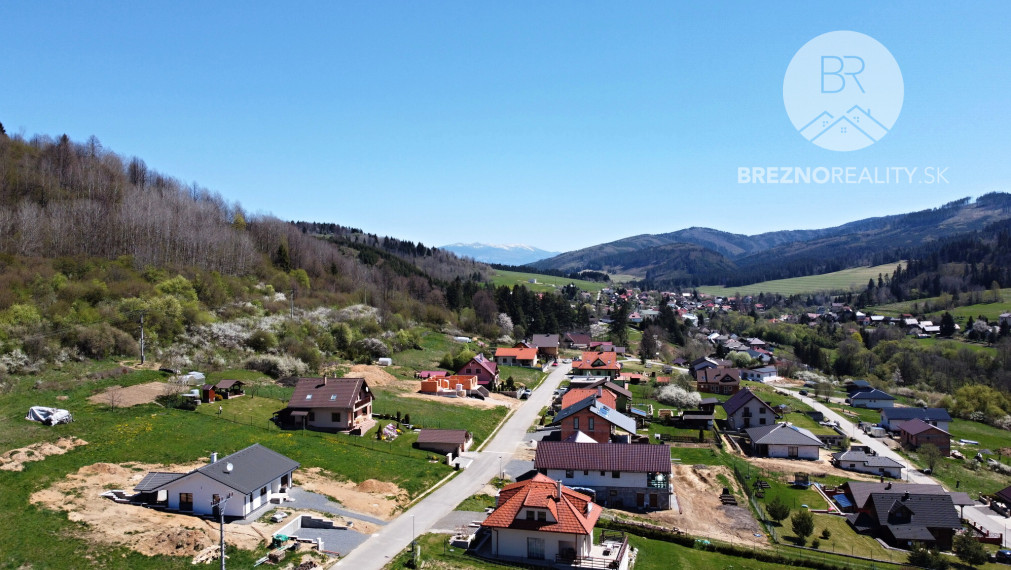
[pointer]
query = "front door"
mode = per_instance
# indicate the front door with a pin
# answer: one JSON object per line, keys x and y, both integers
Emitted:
{"x": 535, "y": 548}
{"x": 640, "y": 500}
{"x": 185, "y": 501}
{"x": 792, "y": 451}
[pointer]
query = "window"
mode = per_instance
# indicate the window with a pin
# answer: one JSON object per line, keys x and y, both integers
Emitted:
{"x": 569, "y": 474}
{"x": 586, "y": 472}
{"x": 185, "y": 501}
{"x": 530, "y": 515}
{"x": 761, "y": 410}
{"x": 535, "y": 548}
{"x": 792, "y": 451}
{"x": 761, "y": 421}
{"x": 542, "y": 516}
{"x": 590, "y": 421}
{"x": 308, "y": 396}
{"x": 263, "y": 492}
{"x": 575, "y": 422}
{"x": 335, "y": 417}
{"x": 333, "y": 397}
{"x": 602, "y": 473}
{"x": 615, "y": 474}
{"x": 312, "y": 416}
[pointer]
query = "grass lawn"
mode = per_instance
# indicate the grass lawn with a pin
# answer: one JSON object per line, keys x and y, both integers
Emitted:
{"x": 845, "y": 280}
{"x": 477, "y": 502}
{"x": 989, "y": 310}
{"x": 428, "y": 413}
{"x": 529, "y": 377}
{"x": 544, "y": 282}
{"x": 842, "y": 539}
{"x": 988, "y": 437}
{"x": 699, "y": 455}
{"x": 863, "y": 414}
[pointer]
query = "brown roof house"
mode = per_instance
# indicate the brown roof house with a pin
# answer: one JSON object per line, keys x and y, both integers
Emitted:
{"x": 486, "y": 371}
{"x": 542, "y": 522}
{"x": 745, "y": 409}
{"x": 720, "y": 380}
{"x": 444, "y": 441}
{"x": 917, "y": 432}
{"x": 547, "y": 345}
{"x": 330, "y": 404}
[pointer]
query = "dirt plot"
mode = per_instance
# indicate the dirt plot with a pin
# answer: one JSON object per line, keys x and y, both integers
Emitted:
{"x": 698, "y": 494}
{"x": 377, "y": 376}
{"x": 120, "y": 397}
{"x": 822, "y": 467}
{"x": 141, "y": 529}
{"x": 15, "y": 459}
{"x": 378, "y": 499}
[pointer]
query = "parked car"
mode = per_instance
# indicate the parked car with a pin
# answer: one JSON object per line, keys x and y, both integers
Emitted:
{"x": 524, "y": 394}
{"x": 1002, "y": 556}
{"x": 555, "y": 363}
{"x": 803, "y": 392}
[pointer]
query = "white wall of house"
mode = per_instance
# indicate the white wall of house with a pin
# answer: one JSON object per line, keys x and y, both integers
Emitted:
{"x": 803, "y": 451}
{"x": 860, "y": 467}
{"x": 203, "y": 489}
{"x": 324, "y": 418}
{"x": 758, "y": 413}
{"x": 593, "y": 478}
{"x": 512, "y": 542}
{"x": 896, "y": 425}
{"x": 873, "y": 404}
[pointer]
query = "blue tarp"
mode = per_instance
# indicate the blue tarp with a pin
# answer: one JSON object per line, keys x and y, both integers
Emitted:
{"x": 843, "y": 501}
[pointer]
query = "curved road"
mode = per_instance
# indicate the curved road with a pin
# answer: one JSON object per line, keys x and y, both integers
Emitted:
{"x": 397, "y": 535}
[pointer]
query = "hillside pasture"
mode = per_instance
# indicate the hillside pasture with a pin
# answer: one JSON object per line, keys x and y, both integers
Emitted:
{"x": 544, "y": 282}
{"x": 840, "y": 281}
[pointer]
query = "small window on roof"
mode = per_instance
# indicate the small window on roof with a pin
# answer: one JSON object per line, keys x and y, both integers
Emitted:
{"x": 308, "y": 396}
{"x": 333, "y": 396}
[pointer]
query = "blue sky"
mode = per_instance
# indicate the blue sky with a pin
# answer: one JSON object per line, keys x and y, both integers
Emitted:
{"x": 558, "y": 124}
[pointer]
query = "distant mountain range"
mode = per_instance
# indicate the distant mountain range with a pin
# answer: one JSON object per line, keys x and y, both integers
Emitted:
{"x": 508, "y": 254}
{"x": 704, "y": 256}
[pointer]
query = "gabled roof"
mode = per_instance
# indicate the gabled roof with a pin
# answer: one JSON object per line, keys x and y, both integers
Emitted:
{"x": 721, "y": 374}
{"x": 579, "y": 437}
{"x": 455, "y": 436}
{"x": 598, "y": 361}
{"x": 738, "y": 400}
{"x": 782, "y": 434}
{"x": 573, "y": 512}
{"x": 927, "y": 511}
{"x": 868, "y": 460}
{"x": 928, "y": 414}
{"x": 603, "y": 457}
{"x": 517, "y": 353}
{"x": 489, "y": 365}
{"x": 251, "y": 469}
{"x": 862, "y": 490}
{"x": 545, "y": 340}
{"x": 226, "y": 384}
{"x": 918, "y": 426}
{"x": 609, "y": 414}
{"x": 608, "y": 385}
{"x": 576, "y": 395}
{"x": 155, "y": 480}
{"x": 578, "y": 338}
{"x": 340, "y": 393}
{"x": 873, "y": 394}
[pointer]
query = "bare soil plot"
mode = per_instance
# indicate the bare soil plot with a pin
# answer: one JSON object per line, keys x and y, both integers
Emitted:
{"x": 822, "y": 467}
{"x": 15, "y": 459}
{"x": 120, "y": 397}
{"x": 698, "y": 494}
{"x": 378, "y": 499}
{"x": 377, "y": 376}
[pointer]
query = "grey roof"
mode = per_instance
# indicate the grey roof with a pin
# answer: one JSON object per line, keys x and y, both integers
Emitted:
{"x": 927, "y": 414}
{"x": 918, "y": 426}
{"x": 545, "y": 340}
{"x": 603, "y": 457}
{"x": 156, "y": 479}
{"x": 455, "y": 436}
{"x": 928, "y": 511}
{"x": 607, "y": 413}
{"x": 874, "y": 394}
{"x": 738, "y": 400}
{"x": 617, "y": 389}
{"x": 336, "y": 393}
{"x": 868, "y": 460}
{"x": 782, "y": 434}
{"x": 861, "y": 490}
{"x": 252, "y": 468}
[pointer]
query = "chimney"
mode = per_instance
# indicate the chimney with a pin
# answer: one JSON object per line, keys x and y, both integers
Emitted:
{"x": 559, "y": 490}
{"x": 888, "y": 486}
{"x": 214, "y": 457}
{"x": 905, "y": 497}
{"x": 600, "y": 391}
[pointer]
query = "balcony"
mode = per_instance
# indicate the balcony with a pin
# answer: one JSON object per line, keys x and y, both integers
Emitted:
{"x": 610, "y": 553}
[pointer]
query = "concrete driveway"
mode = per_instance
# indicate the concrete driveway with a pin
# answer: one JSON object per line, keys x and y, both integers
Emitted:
{"x": 395, "y": 537}
{"x": 986, "y": 518}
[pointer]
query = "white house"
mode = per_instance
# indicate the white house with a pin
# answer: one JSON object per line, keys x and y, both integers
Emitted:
{"x": 784, "y": 440}
{"x": 745, "y": 409}
{"x": 759, "y": 374}
{"x": 620, "y": 474}
{"x": 540, "y": 521}
{"x": 874, "y": 399}
{"x": 861, "y": 459}
{"x": 245, "y": 480}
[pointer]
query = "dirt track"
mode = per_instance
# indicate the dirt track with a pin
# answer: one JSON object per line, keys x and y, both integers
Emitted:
{"x": 119, "y": 397}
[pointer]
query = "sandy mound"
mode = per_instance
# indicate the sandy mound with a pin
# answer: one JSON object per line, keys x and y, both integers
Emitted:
{"x": 119, "y": 397}
{"x": 15, "y": 459}
{"x": 698, "y": 495}
{"x": 147, "y": 531}
{"x": 375, "y": 375}
{"x": 816, "y": 468}
{"x": 495, "y": 400}
{"x": 377, "y": 499}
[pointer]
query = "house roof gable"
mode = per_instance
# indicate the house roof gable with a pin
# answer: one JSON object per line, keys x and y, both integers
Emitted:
{"x": 738, "y": 400}
{"x": 251, "y": 468}
{"x": 337, "y": 393}
{"x": 602, "y": 457}
{"x": 569, "y": 508}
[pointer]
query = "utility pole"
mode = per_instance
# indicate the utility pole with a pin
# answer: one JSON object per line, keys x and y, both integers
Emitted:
{"x": 142, "y": 337}
{"x": 292, "y": 313}
{"x": 221, "y": 525}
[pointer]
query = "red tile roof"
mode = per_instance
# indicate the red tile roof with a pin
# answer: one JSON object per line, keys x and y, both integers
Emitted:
{"x": 569, "y": 510}
{"x": 576, "y": 395}
{"x": 598, "y": 361}
{"x": 517, "y": 353}
{"x": 342, "y": 393}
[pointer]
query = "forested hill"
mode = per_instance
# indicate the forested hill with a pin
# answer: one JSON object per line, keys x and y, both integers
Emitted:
{"x": 722, "y": 258}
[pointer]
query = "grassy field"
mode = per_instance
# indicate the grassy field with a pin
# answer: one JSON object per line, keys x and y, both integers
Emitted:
{"x": 544, "y": 282}
{"x": 989, "y": 310}
{"x": 845, "y": 280}
{"x": 477, "y": 502}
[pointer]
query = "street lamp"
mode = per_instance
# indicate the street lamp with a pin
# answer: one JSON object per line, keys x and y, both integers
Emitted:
{"x": 500, "y": 474}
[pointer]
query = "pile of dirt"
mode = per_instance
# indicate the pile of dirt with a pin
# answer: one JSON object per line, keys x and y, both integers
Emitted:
{"x": 144, "y": 530}
{"x": 374, "y": 375}
{"x": 698, "y": 495}
{"x": 120, "y": 397}
{"x": 15, "y": 459}
{"x": 816, "y": 468}
{"x": 374, "y": 498}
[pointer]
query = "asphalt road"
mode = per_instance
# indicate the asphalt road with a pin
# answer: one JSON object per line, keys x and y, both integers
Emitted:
{"x": 910, "y": 473}
{"x": 397, "y": 535}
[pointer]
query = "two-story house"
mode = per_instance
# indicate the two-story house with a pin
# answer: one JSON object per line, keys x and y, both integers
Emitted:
{"x": 621, "y": 475}
{"x": 595, "y": 419}
{"x": 719, "y": 380}
{"x": 917, "y": 432}
{"x": 745, "y": 409}
{"x": 602, "y": 364}
{"x": 330, "y": 404}
{"x": 485, "y": 370}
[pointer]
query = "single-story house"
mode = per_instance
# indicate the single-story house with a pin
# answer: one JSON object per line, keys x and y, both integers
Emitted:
{"x": 540, "y": 521}
{"x": 873, "y": 398}
{"x": 444, "y": 441}
{"x": 893, "y": 418}
{"x": 516, "y": 357}
{"x": 784, "y": 440}
{"x": 485, "y": 370}
{"x": 863, "y": 460}
{"x": 915, "y": 433}
{"x": 239, "y": 483}
{"x": 330, "y": 404}
{"x": 759, "y": 374}
{"x": 622, "y": 475}
{"x": 745, "y": 409}
{"x": 854, "y": 386}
